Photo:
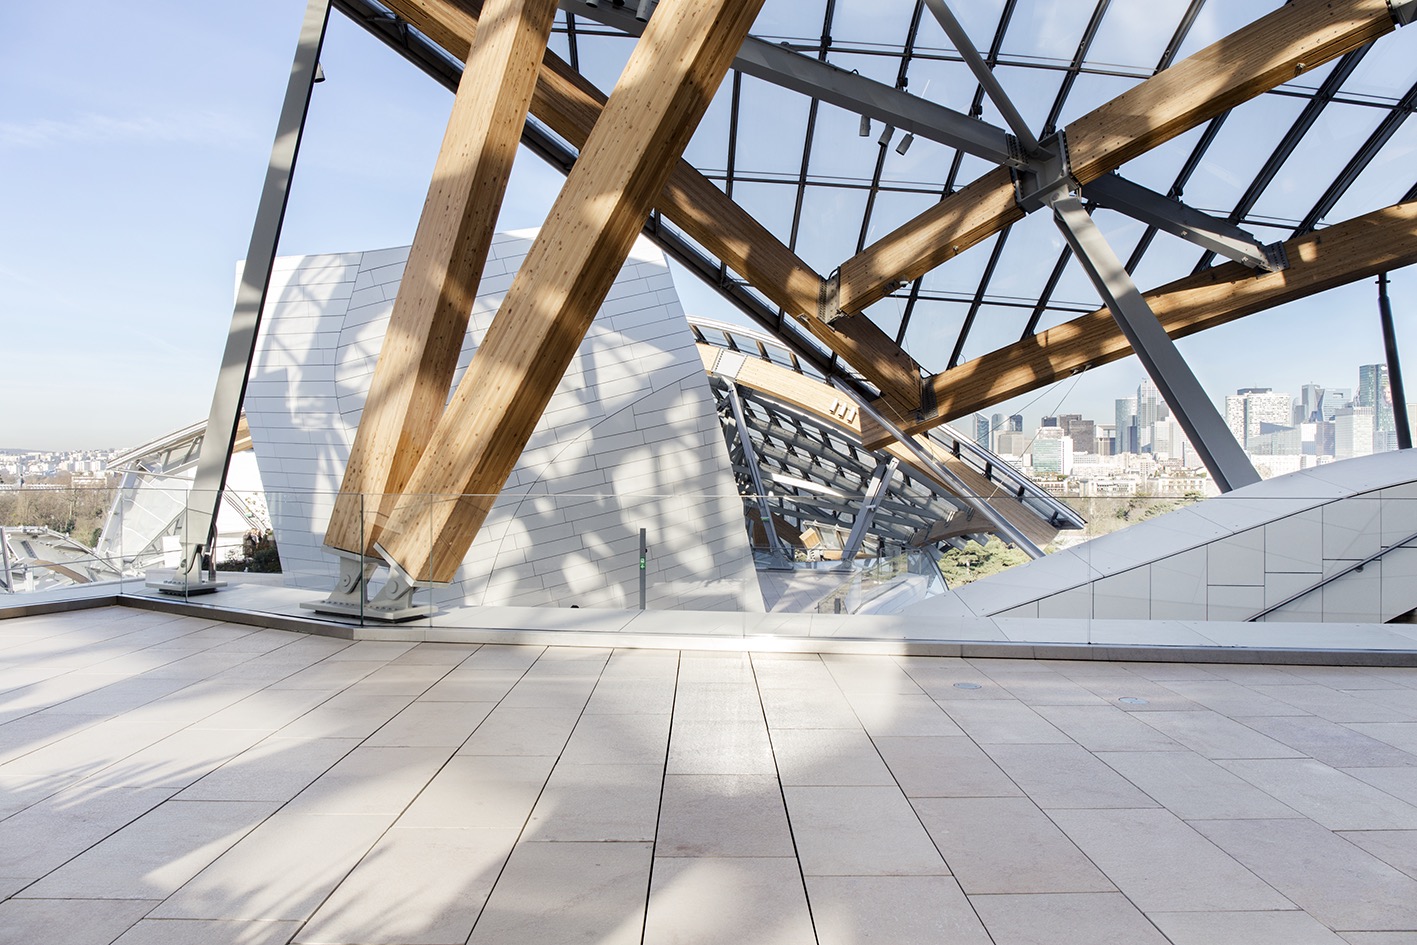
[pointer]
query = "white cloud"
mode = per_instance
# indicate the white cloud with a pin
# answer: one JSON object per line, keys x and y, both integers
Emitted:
{"x": 90, "y": 127}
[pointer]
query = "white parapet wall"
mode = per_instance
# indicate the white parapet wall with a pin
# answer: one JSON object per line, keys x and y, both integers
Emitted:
{"x": 1333, "y": 544}
{"x": 629, "y": 440}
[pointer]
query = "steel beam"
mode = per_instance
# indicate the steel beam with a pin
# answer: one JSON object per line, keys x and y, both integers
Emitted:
{"x": 984, "y": 74}
{"x": 784, "y": 67}
{"x": 1220, "y": 236}
{"x": 750, "y": 459}
{"x": 1193, "y": 410}
{"x": 870, "y": 502}
{"x": 204, "y": 499}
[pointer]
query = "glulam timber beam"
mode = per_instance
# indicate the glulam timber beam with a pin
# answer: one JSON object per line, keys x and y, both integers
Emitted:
{"x": 429, "y": 320}
{"x": 569, "y": 105}
{"x": 1276, "y": 48}
{"x": 1346, "y": 252}
{"x": 661, "y": 95}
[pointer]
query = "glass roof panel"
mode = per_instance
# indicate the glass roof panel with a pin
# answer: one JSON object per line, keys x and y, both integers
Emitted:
{"x": 871, "y": 22}
{"x": 790, "y": 19}
{"x": 831, "y": 220}
{"x": 1244, "y": 143}
{"x": 1091, "y": 91}
{"x": 1031, "y": 90}
{"x": 1028, "y": 259}
{"x": 603, "y": 55}
{"x": 960, "y": 276}
{"x": 769, "y": 204}
{"x": 772, "y": 123}
{"x": 1046, "y": 30}
{"x": 1319, "y": 157}
{"x": 1384, "y": 181}
{"x": 1389, "y": 69}
{"x": 943, "y": 82}
{"x": 1218, "y": 19}
{"x": 934, "y": 327}
{"x": 994, "y": 327}
{"x": 893, "y": 209}
{"x": 1134, "y": 35}
{"x": 708, "y": 148}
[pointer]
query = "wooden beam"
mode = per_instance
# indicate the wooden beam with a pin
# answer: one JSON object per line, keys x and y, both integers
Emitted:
{"x": 1357, "y": 249}
{"x": 666, "y": 86}
{"x": 1274, "y": 49}
{"x": 429, "y": 321}
{"x": 569, "y": 105}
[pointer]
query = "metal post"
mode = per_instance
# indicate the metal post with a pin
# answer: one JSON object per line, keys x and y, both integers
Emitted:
{"x": 750, "y": 459}
{"x": 1194, "y": 411}
{"x": 644, "y": 554}
{"x": 5, "y": 561}
{"x": 1394, "y": 369}
{"x": 204, "y": 499}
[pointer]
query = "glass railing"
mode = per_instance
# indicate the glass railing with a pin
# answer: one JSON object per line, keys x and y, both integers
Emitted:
{"x": 1142, "y": 570}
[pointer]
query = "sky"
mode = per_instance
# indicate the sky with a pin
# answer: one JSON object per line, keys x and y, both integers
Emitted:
{"x": 134, "y": 141}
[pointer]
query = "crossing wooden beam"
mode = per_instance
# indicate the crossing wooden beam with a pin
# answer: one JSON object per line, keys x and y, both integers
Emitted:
{"x": 1278, "y": 47}
{"x": 429, "y": 321}
{"x": 569, "y": 105}
{"x": 666, "y": 86}
{"x": 1346, "y": 252}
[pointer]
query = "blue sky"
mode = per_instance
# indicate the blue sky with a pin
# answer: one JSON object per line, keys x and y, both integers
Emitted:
{"x": 134, "y": 142}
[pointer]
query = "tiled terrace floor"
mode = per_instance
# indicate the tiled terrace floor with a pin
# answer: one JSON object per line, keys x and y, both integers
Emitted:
{"x": 169, "y": 779}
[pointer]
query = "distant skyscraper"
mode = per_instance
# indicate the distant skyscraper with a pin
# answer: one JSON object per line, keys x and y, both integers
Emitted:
{"x": 1016, "y": 423}
{"x": 1126, "y": 435}
{"x": 1256, "y": 410}
{"x": 1052, "y": 451}
{"x": 1374, "y": 391}
{"x": 981, "y": 430}
{"x": 1150, "y": 408}
{"x": 1353, "y": 432}
{"x": 1311, "y": 404}
{"x": 1083, "y": 432}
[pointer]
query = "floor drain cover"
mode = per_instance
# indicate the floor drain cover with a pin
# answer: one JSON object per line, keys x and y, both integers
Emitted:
{"x": 1132, "y": 700}
{"x": 966, "y": 685}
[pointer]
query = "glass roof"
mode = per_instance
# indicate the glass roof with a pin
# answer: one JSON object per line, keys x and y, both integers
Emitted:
{"x": 1329, "y": 145}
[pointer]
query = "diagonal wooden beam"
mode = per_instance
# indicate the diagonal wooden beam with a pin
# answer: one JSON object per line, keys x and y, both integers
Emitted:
{"x": 665, "y": 88}
{"x": 1346, "y": 252}
{"x": 569, "y": 106}
{"x": 1298, "y": 37}
{"x": 429, "y": 321}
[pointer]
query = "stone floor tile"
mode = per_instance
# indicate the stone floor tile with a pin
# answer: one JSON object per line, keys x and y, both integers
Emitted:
{"x": 598, "y": 802}
{"x": 828, "y": 756}
{"x": 275, "y": 769}
{"x": 1331, "y": 704}
{"x": 859, "y": 831}
{"x": 1038, "y": 689}
{"x": 1065, "y": 919}
{"x": 1251, "y": 928}
{"x": 1380, "y": 938}
{"x": 1326, "y": 796}
{"x": 632, "y": 696}
{"x": 637, "y": 739}
{"x": 346, "y": 715}
{"x": 720, "y": 748}
{"x": 727, "y": 901}
{"x": 1399, "y": 782}
{"x": 888, "y": 715}
{"x": 154, "y": 855}
{"x": 266, "y": 710}
{"x": 1329, "y": 742}
{"x": 1193, "y": 787}
{"x": 371, "y": 780}
{"x": 522, "y": 731}
{"x": 1397, "y": 848}
{"x": 432, "y": 724}
{"x": 1056, "y": 776}
{"x": 892, "y": 910}
{"x": 1232, "y": 699}
{"x": 717, "y": 702}
{"x": 568, "y": 892}
{"x": 489, "y": 792}
{"x": 1002, "y": 723}
{"x": 1106, "y": 728}
{"x": 1214, "y": 736}
{"x": 1159, "y": 697}
{"x": 944, "y": 767}
{"x": 1162, "y": 865}
{"x": 1401, "y": 735}
{"x": 63, "y": 825}
{"x": 70, "y": 921}
{"x": 314, "y": 852}
{"x": 207, "y": 932}
{"x": 461, "y": 685}
{"x": 723, "y": 815}
{"x": 444, "y": 877}
{"x": 400, "y": 679}
{"x": 808, "y": 708}
{"x": 330, "y": 675}
{"x": 178, "y": 760}
{"x": 1322, "y": 873}
{"x": 861, "y": 674}
{"x": 1006, "y": 845}
{"x": 551, "y": 692}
